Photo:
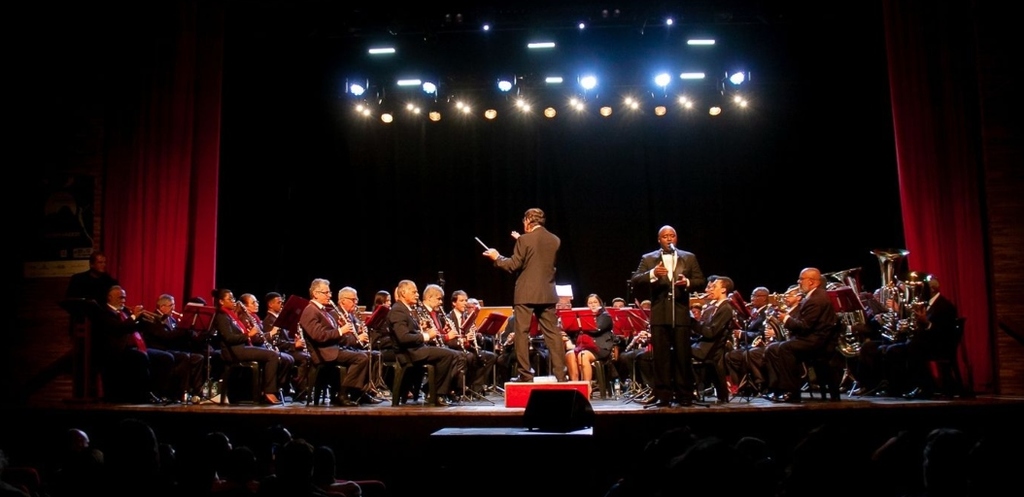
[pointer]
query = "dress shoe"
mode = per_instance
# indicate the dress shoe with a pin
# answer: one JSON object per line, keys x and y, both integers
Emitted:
{"x": 270, "y": 398}
{"x": 788, "y": 398}
{"x": 917, "y": 393}
{"x": 368, "y": 399}
{"x": 343, "y": 402}
{"x": 411, "y": 402}
{"x": 439, "y": 402}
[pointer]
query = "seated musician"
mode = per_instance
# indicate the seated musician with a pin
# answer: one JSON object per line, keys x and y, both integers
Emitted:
{"x": 289, "y": 342}
{"x": 754, "y": 334}
{"x": 237, "y": 345}
{"x": 591, "y": 345}
{"x": 359, "y": 339}
{"x": 247, "y": 308}
{"x": 161, "y": 331}
{"x": 713, "y": 331}
{"x": 131, "y": 371}
{"x": 479, "y": 360}
{"x": 413, "y": 332}
{"x": 327, "y": 332}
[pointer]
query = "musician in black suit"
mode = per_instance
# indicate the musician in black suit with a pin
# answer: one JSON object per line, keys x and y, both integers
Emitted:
{"x": 812, "y": 334}
{"x": 289, "y": 342}
{"x": 326, "y": 332}
{"x": 479, "y": 361}
{"x": 669, "y": 272}
{"x": 237, "y": 345}
{"x": 712, "y": 331}
{"x": 533, "y": 258}
{"x": 131, "y": 371}
{"x": 748, "y": 338}
{"x": 932, "y": 337}
{"x": 161, "y": 332}
{"x": 412, "y": 339}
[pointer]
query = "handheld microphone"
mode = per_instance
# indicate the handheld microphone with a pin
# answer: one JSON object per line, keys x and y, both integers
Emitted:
{"x": 672, "y": 246}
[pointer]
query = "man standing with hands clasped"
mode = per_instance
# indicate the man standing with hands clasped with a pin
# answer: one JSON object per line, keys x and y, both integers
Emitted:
{"x": 670, "y": 272}
{"x": 534, "y": 259}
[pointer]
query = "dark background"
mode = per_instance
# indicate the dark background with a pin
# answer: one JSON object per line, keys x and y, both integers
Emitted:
{"x": 806, "y": 176}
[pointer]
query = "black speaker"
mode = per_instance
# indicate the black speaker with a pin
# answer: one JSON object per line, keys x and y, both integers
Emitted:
{"x": 558, "y": 411}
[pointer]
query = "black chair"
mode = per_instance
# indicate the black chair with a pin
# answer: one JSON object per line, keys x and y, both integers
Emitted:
{"x": 317, "y": 384}
{"x": 401, "y": 367}
{"x": 228, "y": 377}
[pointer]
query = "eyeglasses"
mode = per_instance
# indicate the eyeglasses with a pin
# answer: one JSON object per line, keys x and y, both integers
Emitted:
{"x": 350, "y": 298}
{"x": 324, "y": 292}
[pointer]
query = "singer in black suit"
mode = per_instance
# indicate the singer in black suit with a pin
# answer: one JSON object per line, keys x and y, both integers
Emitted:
{"x": 412, "y": 340}
{"x": 533, "y": 258}
{"x": 669, "y": 272}
{"x": 812, "y": 334}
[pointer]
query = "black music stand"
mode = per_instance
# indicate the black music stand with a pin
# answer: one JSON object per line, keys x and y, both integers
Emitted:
{"x": 84, "y": 387}
{"x": 378, "y": 319}
{"x": 198, "y": 319}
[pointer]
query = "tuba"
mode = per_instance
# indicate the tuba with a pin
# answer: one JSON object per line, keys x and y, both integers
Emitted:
{"x": 893, "y": 324}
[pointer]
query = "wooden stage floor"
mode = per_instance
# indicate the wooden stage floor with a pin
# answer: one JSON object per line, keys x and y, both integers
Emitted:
{"x": 480, "y": 440}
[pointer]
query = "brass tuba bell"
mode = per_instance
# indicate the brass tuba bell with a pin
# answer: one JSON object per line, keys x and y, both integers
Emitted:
{"x": 892, "y": 322}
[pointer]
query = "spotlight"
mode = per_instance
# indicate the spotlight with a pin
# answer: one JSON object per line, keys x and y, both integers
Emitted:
{"x": 356, "y": 89}
{"x": 660, "y": 110}
{"x": 387, "y": 118}
{"x": 588, "y": 82}
{"x": 737, "y": 78}
{"x": 490, "y": 114}
{"x": 550, "y": 112}
{"x": 662, "y": 80}
{"x": 714, "y": 110}
{"x": 504, "y": 85}
{"x": 430, "y": 88}
{"x": 434, "y": 116}
{"x": 605, "y": 111}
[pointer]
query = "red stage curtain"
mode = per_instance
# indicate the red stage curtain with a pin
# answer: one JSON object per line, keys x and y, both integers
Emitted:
{"x": 160, "y": 198}
{"x": 933, "y": 86}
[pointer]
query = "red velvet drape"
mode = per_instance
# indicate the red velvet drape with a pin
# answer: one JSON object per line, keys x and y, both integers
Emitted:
{"x": 933, "y": 81}
{"x": 160, "y": 198}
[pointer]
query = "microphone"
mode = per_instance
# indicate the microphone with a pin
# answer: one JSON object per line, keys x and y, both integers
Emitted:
{"x": 440, "y": 278}
{"x": 672, "y": 246}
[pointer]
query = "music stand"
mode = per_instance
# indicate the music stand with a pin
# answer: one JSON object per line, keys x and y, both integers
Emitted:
{"x": 577, "y": 319}
{"x": 290, "y": 314}
{"x": 492, "y": 324}
{"x": 626, "y": 322}
{"x": 377, "y": 319}
{"x": 844, "y": 299}
{"x": 84, "y": 387}
{"x": 198, "y": 319}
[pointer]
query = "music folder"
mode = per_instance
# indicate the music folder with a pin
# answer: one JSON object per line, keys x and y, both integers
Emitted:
{"x": 577, "y": 319}
{"x": 378, "y": 318}
{"x": 290, "y": 314}
{"x": 626, "y": 321}
{"x": 844, "y": 299}
{"x": 492, "y": 324}
{"x": 198, "y": 319}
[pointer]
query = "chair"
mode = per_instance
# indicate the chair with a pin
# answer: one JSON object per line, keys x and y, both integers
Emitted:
{"x": 945, "y": 371}
{"x": 401, "y": 365}
{"x": 716, "y": 367}
{"x": 603, "y": 385}
{"x": 316, "y": 384}
{"x": 226, "y": 377}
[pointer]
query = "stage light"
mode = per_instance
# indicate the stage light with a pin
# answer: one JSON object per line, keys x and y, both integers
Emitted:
{"x": 605, "y": 111}
{"x": 430, "y": 88}
{"x": 553, "y": 80}
{"x": 700, "y": 41}
{"x": 685, "y": 102}
{"x": 409, "y": 82}
{"x": 490, "y": 114}
{"x": 504, "y": 85}
{"x": 387, "y": 118}
{"x": 662, "y": 79}
{"x": 691, "y": 75}
{"x": 660, "y": 110}
{"x": 382, "y": 50}
{"x": 577, "y": 104}
{"x": 737, "y": 78}
{"x": 588, "y": 82}
{"x": 550, "y": 112}
{"x": 434, "y": 116}
{"x": 356, "y": 89}
{"x": 486, "y": 27}
{"x": 581, "y": 26}
{"x": 714, "y": 110}
{"x": 542, "y": 44}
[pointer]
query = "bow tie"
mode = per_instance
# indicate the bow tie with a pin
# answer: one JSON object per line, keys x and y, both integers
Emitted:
{"x": 667, "y": 252}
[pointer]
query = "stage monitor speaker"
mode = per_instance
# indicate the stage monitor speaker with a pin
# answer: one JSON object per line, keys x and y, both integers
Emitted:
{"x": 559, "y": 411}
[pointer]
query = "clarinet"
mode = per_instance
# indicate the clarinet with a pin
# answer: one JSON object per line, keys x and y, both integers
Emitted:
{"x": 423, "y": 316}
